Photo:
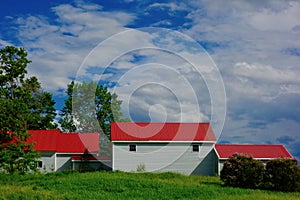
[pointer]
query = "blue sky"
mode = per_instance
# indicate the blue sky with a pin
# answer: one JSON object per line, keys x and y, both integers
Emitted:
{"x": 254, "y": 46}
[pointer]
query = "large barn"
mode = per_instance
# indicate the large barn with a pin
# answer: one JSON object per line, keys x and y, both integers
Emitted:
{"x": 159, "y": 147}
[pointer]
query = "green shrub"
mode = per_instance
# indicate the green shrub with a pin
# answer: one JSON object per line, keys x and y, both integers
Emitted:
{"x": 141, "y": 168}
{"x": 242, "y": 171}
{"x": 283, "y": 174}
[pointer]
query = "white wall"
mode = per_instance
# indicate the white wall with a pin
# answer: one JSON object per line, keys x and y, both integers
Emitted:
{"x": 160, "y": 157}
{"x": 63, "y": 162}
{"x": 60, "y": 161}
{"x": 48, "y": 159}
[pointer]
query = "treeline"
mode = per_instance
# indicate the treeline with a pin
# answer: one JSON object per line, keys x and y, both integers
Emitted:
{"x": 24, "y": 105}
{"x": 243, "y": 171}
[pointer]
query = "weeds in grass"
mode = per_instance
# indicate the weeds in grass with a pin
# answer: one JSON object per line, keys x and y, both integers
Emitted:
{"x": 141, "y": 168}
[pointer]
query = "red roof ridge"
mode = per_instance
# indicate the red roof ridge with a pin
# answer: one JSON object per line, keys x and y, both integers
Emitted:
{"x": 163, "y": 122}
{"x": 162, "y": 131}
{"x": 248, "y": 144}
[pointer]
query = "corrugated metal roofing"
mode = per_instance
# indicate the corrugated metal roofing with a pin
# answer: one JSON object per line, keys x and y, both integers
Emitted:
{"x": 155, "y": 131}
{"x": 255, "y": 150}
{"x": 55, "y": 141}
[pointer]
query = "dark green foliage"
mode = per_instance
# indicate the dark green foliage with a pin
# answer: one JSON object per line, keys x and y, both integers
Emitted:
{"x": 279, "y": 174}
{"x": 23, "y": 106}
{"x": 13, "y": 63}
{"x": 283, "y": 174}
{"x": 16, "y": 155}
{"x": 14, "y": 85}
{"x": 242, "y": 171}
{"x": 41, "y": 106}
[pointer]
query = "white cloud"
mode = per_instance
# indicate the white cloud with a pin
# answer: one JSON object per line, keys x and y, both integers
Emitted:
{"x": 4, "y": 43}
{"x": 231, "y": 24}
{"x": 267, "y": 73}
{"x": 148, "y": 85}
{"x": 170, "y": 6}
{"x": 162, "y": 23}
{"x": 145, "y": 61}
{"x": 58, "y": 48}
{"x": 261, "y": 82}
{"x": 283, "y": 20}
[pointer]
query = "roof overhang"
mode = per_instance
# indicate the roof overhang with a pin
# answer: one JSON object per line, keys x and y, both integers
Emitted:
{"x": 258, "y": 158}
{"x": 161, "y": 141}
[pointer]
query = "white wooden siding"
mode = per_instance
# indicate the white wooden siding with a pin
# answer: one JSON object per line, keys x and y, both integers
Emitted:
{"x": 159, "y": 157}
{"x": 48, "y": 159}
{"x": 63, "y": 162}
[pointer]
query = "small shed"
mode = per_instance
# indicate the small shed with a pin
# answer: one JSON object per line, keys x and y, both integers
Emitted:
{"x": 263, "y": 152}
{"x": 158, "y": 147}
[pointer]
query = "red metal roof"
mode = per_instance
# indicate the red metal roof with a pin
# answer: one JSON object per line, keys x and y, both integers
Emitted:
{"x": 45, "y": 140}
{"x": 255, "y": 150}
{"x": 143, "y": 131}
{"x": 55, "y": 141}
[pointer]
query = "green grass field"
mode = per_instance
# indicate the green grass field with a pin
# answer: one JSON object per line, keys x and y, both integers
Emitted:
{"x": 120, "y": 185}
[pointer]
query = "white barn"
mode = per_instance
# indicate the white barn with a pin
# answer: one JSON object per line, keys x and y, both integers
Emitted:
{"x": 158, "y": 147}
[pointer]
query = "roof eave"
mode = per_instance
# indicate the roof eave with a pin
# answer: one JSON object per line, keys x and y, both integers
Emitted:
{"x": 258, "y": 158}
{"x": 160, "y": 141}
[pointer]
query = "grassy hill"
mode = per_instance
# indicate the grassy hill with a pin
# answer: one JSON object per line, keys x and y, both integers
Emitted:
{"x": 120, "y": 185}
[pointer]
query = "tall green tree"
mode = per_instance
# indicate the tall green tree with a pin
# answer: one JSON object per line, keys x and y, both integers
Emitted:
{"x": 14, "y": 85}
{"x": 16, "y": 154}
{"x": 23, "y": 106}
{"x": 90, "y": 106}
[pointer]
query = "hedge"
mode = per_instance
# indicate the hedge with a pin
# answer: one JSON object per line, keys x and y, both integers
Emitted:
{"x": 243, "y": 171}
{"x": 283, "y": 174}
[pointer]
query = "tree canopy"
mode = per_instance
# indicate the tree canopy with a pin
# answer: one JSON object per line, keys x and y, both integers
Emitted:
{"x": 90, "y": 106}
{"x": 14, "y": 85}
{"x": 23, "y": 105}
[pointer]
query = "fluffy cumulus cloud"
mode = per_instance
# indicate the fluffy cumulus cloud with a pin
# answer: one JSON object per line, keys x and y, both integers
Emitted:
{"x": 284, "y": 19}
{"x": 158, "y": 69}
{"x": 161, "y": 77}
{"x": 58, "y": 46}
{"x": 263, "y": 81}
